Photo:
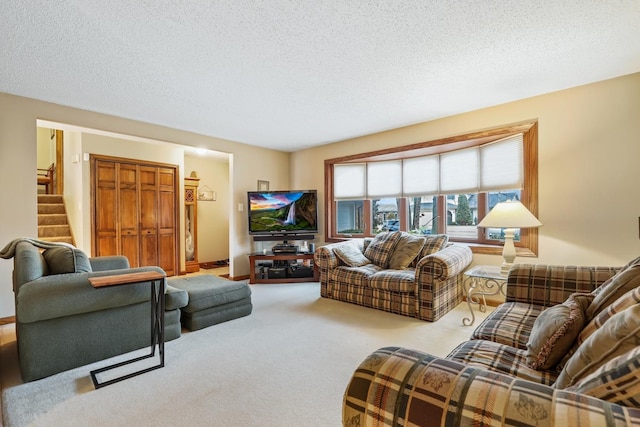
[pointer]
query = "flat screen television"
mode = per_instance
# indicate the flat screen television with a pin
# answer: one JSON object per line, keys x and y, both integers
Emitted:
{"x": 283, "y": 212}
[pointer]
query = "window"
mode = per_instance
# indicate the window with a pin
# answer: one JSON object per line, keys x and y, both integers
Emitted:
{"x": 443, "y": 186}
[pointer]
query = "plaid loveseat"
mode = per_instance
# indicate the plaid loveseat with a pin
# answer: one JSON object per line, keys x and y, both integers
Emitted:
{"x": 486, "y": 381}
{"x": 427, "y": 290}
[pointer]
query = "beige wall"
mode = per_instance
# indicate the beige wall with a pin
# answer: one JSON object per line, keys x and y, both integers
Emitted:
{"x": 18, "y": 160}
{"x": 589, "y": 146}
{"x": 46, "y": 148}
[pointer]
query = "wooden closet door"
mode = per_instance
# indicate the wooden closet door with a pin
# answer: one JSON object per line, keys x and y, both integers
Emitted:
{"x": 106, "y": 212}
{"x": 135, "y": 212}
{"x": 149, "y": 215}
{"x": 128, "y": 208}
{"x": 167, "y": 220}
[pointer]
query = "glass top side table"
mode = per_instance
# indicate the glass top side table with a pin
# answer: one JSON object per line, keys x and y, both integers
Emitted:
{"x": 482, "y": 281}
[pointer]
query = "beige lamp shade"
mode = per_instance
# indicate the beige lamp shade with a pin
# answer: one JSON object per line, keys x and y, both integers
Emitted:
{"x": 509, "y": 215}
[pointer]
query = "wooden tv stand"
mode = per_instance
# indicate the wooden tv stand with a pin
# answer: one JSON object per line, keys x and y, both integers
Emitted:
{"x": 255, "y": 276}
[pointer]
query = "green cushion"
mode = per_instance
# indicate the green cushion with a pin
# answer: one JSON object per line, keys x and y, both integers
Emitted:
{"x": 63, "y": 260}
{"x": 206, "y": 291}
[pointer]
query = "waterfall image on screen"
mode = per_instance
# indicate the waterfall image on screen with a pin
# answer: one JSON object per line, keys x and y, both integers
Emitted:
{"x": 282, "y": 211}
{"x": 291, "y": 217}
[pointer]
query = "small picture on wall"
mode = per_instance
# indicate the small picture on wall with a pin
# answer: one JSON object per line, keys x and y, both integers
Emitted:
{"x": 205, "y": 194}
{"x": 263, "y": 185}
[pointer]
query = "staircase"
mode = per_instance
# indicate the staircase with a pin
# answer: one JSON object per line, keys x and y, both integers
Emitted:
{"x": 53, "y": 225}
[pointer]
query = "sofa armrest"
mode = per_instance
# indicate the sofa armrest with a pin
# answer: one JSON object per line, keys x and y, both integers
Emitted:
{"x": 112, "y": 262}
{"x": 60, "y": 295}
{"x": 437, "y": 281}
{"x": 446, "y": 263}
{"x": 398, "y": 387}
{"x": 548, "y": 285}
{"x": 326, "y": 259}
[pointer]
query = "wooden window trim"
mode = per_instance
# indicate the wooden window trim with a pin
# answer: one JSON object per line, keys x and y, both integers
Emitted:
{"x": 528, "y": 245}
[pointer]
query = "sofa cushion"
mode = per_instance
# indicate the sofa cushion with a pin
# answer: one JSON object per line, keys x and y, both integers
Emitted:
{"x": 394, "y": 280}
{"x": 555, "y": 330}
{"x": 500, "y": 358}
{"x": 358, "y": 276}
{"x": 407, "y": 249}
{"x": 617, "y": 336}
{"x": 620, "y": 271}
{"x": 616, "y": 381}
{"x": 610, "y": 291}
{"x": 175, "y": 298}
{"x": 64, "y": 259}
{"x": 351, "y": 255}
{"x": 627, "y": 300}
{"x": 509, "y": 324}
{"x": 433, "y": 244}
{"x": 381, "y": 248}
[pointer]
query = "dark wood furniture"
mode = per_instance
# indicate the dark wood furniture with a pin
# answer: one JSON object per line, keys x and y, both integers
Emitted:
{"x": 191, "y": 264}
{"x": 256, "y": 258}
{"x": 135, "y": 211}
{"x": 157, "y": 281}
{"x": 45, "y": 178}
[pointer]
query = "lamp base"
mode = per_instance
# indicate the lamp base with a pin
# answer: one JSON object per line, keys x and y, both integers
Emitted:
{"x": 504, "y": 269}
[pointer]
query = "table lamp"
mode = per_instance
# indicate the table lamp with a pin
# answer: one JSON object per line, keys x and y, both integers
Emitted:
{"x": 509, "y": 215}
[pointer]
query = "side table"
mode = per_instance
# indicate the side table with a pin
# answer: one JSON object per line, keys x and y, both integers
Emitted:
{"x": 157, "y": 281}
{"x": 482, "y": 281}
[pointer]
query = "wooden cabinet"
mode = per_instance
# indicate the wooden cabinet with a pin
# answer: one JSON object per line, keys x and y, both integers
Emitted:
{"x": 134, "y": 212}
{"x": 191, "y": 224}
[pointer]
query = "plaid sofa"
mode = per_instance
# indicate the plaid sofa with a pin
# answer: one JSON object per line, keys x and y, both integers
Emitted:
{"x": 427, "y": 291}
{"x": 486, "y": 381}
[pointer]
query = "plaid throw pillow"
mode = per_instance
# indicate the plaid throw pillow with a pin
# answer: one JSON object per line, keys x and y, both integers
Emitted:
{"x": 616, "y": 381}
{"x": 381, "y": 248}
{"x": 629, "y": 299}
{"x": 617, "y": 336}
{"x": 434, "y": 243}
{"x": 609, "y": 292}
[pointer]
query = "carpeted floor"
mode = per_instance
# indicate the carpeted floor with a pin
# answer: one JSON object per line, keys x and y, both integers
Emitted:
{"x": 286, "y": 364}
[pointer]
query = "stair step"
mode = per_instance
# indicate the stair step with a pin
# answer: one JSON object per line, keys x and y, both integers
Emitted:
{"x": 46, "y": 208}
{"x": 54, "y": 230}
{"x": 53, "y": 223}
{"x": 50, "y": 198}
{"x": 52, "y": 219}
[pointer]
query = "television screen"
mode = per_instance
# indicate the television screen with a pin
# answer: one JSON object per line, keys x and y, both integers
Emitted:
{"x": 283, "y": 212}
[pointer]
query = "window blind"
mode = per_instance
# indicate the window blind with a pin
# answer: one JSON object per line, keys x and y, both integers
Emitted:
{"x": 459, "y": 171}
{"x": 502, "y": 164}
{"x": 384, "y": 179}
{"x": 494, "y": 166}
{"x": 349, "y": 181}
{"x": 421, "y": 176}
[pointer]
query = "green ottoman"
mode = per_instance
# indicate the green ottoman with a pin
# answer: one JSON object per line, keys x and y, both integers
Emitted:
{"x": 212, "y": 300}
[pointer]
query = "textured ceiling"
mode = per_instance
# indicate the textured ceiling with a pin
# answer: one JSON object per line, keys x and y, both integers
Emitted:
{"x": 291, "y": 74}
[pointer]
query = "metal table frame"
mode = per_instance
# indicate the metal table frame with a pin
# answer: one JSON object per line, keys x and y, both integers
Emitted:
{"x": 483, "y": 280}
{"x": 157, "y": 281}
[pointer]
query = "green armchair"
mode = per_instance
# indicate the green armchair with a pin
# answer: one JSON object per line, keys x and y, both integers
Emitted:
{"x": 62, "y": 322}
